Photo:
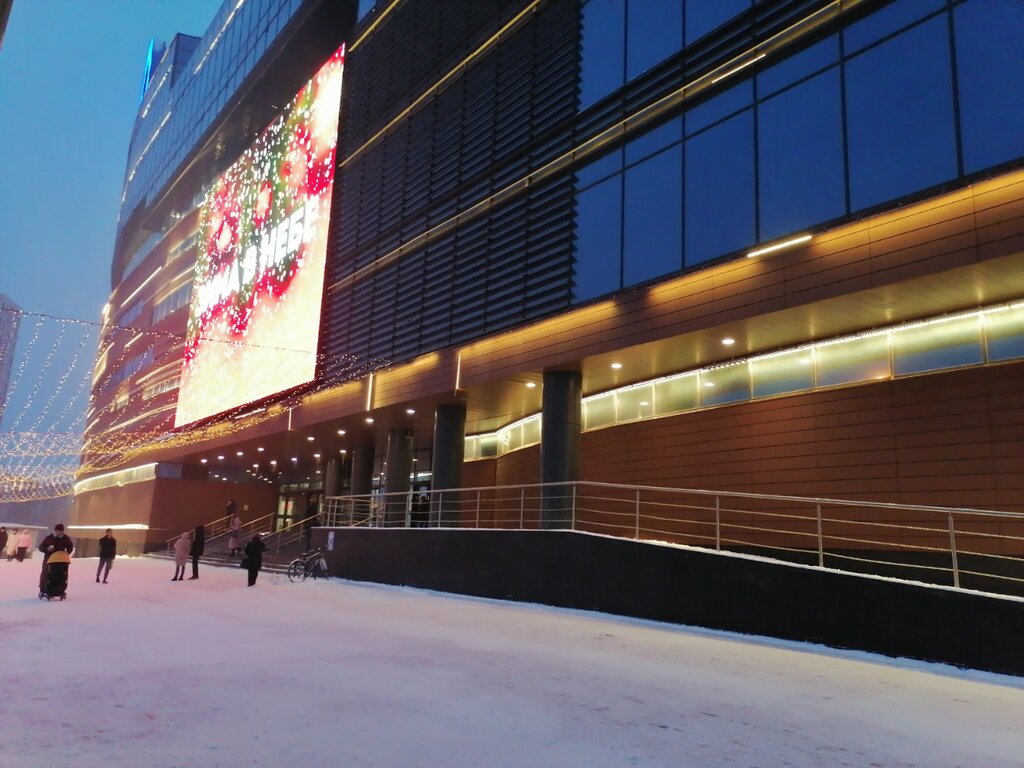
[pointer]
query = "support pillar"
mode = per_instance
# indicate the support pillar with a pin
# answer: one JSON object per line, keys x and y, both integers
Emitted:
{"x": 449, "y": 451}
{"x": 361, "y": 482}
{"x": 396, "y": 474}
{"x": 561, "y": 428}
{"x": 331, "y": 477}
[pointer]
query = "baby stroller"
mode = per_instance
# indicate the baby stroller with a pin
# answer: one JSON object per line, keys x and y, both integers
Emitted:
{"x": 56, "y": 584}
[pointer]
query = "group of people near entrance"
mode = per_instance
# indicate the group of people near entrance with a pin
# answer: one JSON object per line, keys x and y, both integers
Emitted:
{"x": 193, "y": 543}
{"x": 15, "y": 544}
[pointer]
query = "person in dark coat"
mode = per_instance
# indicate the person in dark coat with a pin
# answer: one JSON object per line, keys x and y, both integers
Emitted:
{"x": 254, "y": 557}
{"x": 3, "y": 538}
{"x": 198, "y": 546}
{"x": 229, "y": 511}
{"x": 54, "y": 542}
{"x": 108, "y": 551}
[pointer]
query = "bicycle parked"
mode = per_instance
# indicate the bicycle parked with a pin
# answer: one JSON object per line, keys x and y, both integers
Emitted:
{"x": 308, "y": 564}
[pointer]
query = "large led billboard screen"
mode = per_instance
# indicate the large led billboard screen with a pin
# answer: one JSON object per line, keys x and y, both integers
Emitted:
{"x": 254, "y": 321}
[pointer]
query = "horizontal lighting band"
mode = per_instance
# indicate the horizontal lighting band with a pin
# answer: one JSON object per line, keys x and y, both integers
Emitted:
{"x": 112, "y": 526}
{"x": 779, "y": 246}
{"x": 134, "y": 293}
{"x": 592, "y": 146}
{"x": 139, "y": 474}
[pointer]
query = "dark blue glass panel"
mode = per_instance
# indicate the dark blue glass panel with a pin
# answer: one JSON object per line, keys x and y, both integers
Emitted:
{"x": 702, "y": 16}
{"x": 890, "y": 18}
{"x": 720, "y": 189}
{"x": 655, "y": 32}
{"x": 603, "y": 50}
{"x": 990, "y": 68}
{"x": 364, "y": 7}
{"x": 900, "y": 116}
{"x": 598, "y": 240}
{"x": 800, "y": 156}
{"x": 599, "y": 169}
{"x": 654, "y": 211}
{"x": 798, "y": 66}
{"x": 714, "y": 109}
{"x": 652, "y": 141}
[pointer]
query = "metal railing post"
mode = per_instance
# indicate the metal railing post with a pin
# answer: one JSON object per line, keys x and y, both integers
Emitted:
{"x": 821, "y": 548}
{"x": 572, "y": 521}
{"x": 522, "y": 507}
{"x": 478, "y": 492}
{"x": 952, "y": 549}
{"x": 636, "y": 522}
{"x": 718, "y": 523}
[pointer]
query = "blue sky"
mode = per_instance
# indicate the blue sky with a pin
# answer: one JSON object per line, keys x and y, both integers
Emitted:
{"x": 69, "y": 85}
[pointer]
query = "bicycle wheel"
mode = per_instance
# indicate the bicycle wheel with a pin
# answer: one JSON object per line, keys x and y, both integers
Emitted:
{"x": 297, "y": 570}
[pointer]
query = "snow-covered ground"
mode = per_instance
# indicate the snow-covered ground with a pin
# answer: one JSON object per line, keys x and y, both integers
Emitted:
{"x": 146, "y": 672}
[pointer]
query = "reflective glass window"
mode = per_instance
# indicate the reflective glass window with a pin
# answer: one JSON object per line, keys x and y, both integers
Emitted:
{"x": 886, "y": 20}
{"x": 933, "y": 346}
{"x": 634, "y": 403}
{"x": 598, "y": 239}
{"x": 602, "y": 52}
{"x": 675, "y": 394}
{"x": 990, "y": 71}
{"x": 798, "y": 66}
{"x": 650, "y": 142}
{"x": 487, "y": 445}
{"x": 1004, "y": 334}
{"x": 719, "y": 188}
{"x": 600, "y": 168}
{"x": 726, "y": 384}
{"x": 786, "y": 372}
{"x": 599, "y": 411}
{"x": 865, "y": 358}
{"x": 900, "y": 115}
{"x": 702, "y": 16}
{"x": 722, "y": 105}
{"x": 655, "y": 32}
{"x": 531, "y": 430}
{"x": 800, "y": 155}
{"x": 653, "y": 236}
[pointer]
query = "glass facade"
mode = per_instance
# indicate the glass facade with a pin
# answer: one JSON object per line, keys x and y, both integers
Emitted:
{"x": 989, "y": 336}
{"x": 915, "y": 95}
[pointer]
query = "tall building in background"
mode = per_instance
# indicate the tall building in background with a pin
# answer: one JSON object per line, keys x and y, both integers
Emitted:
{"x": 10, "y": 319}
{"x": 768, "y": 246}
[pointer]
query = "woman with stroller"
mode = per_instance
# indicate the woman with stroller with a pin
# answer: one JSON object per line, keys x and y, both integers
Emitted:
{"x": 181, "y": 549}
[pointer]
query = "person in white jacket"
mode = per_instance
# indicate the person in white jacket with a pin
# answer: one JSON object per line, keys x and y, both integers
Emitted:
{"x": 181, "y": 548}
{"x": 24, "y": 542}
{"x": 12, "y": 544}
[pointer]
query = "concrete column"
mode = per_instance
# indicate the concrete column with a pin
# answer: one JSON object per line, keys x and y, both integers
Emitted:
{"x": 396, "y": 473}
{"x": 561, "y": 427}
{"x": 449, "y": 451}
{"x": 361, "y": 482}
{"x": 331, "y": 477}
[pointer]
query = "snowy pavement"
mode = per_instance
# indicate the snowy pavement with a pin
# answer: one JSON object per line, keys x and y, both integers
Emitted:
{"x": 209, "y": 673}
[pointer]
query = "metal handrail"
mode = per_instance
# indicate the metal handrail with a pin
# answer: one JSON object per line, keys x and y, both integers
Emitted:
{"x": 221, "y": 527}
{"x": 987, "y": 546}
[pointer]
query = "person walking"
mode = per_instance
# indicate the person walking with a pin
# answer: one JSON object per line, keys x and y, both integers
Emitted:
{"x": 3, "y": 538}
{"x": 196, "y": 551}
{"x": 253, "y": 559}
{"x": 229, "y": 512}
{"x": 12, "y": 545}
{"x": 24, "y": 542}
{"x": 108, "y": 551}
{"x": 235, "y": 539}
{"x": 55, "y": 542}
{"x": 181, "y": 549}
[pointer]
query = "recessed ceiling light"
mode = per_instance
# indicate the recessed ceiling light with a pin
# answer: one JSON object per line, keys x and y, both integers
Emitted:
{"x": 341, "y": 431}
{"x": 221, "y": 458}
{"x": 709, "y": 383}
{"x": 260, "y": 450}
{"x": 238, "y": 453}
{"x": 255, "y": 465}
{"x": 728, "y": 341}
{"x": 202, "y": 461}
{"x": 295, "y": 458}
{"x": 273, "y": 461}
{"x": 804, "y": 361}
{"x": 311, "y": 438}
{"x": 410, "y": 411}
{"x": 369, "y": 420}
{"x": 644, "y": 402}
{"x": 531, "y": 384}
{"x": 616, "y": 366}
{"x": 316, "y": 455}
{"x": 342, "y": 451}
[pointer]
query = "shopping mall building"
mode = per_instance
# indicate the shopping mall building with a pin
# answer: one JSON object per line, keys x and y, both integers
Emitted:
{"x": 772, "y": 246}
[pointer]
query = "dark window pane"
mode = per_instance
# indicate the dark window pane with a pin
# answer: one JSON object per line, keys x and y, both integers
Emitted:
{"x": 702, "y": 16}
{"x": 990, "y": 68}
{"x": 900, "y": 116}
{"x": 652, "y": 141}
{"x": 723, "y": 104}
{"x": 800, "y": 152}
{"x": 653, "y": 224}
{"x": 599, "y": 169}
{"x": 598, "y": 239}
{"x": 720, "y": 189}
{"x": 655, "y": 32}
{"x": 797, "y": 66}
{"x": 603, "y": 49}
{"x": 890, "y": 18}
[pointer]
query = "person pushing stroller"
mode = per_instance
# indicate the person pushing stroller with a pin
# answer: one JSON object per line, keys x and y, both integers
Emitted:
{"x": 54, "y": 542}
